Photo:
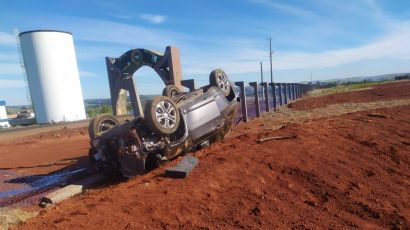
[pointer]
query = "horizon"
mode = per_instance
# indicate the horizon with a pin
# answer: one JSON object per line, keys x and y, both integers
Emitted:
{"x": 310, "y": 39}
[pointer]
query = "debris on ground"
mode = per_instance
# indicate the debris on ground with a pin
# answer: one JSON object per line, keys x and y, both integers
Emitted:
{"x": 376, "y": 115}
{"x": 183, "y": 168}
{"x": 261, "y": 140}
{"x": 70, "y": 190}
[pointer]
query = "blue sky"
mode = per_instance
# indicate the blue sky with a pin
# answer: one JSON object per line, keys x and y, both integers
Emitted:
{"x": 330, "y": 39}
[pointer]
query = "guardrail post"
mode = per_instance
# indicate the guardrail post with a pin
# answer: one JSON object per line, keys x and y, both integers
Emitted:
{"x": 242, "y": 94}
{"x": 285, "y": 92}
{"x": 294, "y": 91}
{"x": 289, "y": 92}
{"x": 280, "y": 94}
{"x": 272, "y": 85}
{"x": 297, "y": 90}
{"x": 255, "y": 90}
{"x": 266, "y": 92}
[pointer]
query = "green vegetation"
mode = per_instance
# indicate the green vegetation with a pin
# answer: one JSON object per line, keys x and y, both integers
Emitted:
{"x": 93, "y": 111}
{"x": 93, "y": 107}
{"x": 345, "y": 87}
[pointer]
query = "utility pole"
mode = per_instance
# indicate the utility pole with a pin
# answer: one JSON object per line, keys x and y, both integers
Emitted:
{"x": 262, "y": 79}
{"x": 270, "y": 55}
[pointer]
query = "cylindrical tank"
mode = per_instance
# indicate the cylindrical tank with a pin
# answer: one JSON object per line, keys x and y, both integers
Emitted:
{"x": 52, "y": 74}
{"x": 4, "y": 121}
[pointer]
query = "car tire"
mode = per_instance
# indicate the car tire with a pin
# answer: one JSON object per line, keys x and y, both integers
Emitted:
{"x": 171, "y": 91}
{"x": 101, "y": 123}
{"x": 162, "y": 115}
{"x": 219, "y": 79}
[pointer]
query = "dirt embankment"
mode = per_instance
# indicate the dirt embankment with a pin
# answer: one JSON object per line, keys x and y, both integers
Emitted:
{"x": 340, "y": 172}
{"x": 389, "y": 91}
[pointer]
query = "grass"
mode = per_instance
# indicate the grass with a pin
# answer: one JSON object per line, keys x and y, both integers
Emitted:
{"x": 345, "y": 88}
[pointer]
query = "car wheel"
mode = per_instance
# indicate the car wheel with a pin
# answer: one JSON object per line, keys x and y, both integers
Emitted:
{"x": 101, "y": 123}
{"x": 219, "y": 79}
{"x": 162, "y": 115}
{"x": 171, "y": 91}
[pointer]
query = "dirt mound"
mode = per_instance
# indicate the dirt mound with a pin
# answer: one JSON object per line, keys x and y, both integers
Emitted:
{"x": 395, "y": 90}
{"x": 339, "y": 172}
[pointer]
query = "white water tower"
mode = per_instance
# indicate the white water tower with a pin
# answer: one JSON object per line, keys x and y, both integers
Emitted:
{"x": 52, "y": 74}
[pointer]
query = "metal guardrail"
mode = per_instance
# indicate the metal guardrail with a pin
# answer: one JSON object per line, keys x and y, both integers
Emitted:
{"x": 279, "y": 94}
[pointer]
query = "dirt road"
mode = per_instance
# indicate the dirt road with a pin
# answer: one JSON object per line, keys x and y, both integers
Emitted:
{"x": 343, "y": 169}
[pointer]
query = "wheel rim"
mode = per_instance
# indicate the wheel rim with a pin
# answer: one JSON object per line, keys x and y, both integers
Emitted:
{"x": 222, "y": 82}
{"x": 166, "y": 114}
{"x": 106, "y": 125}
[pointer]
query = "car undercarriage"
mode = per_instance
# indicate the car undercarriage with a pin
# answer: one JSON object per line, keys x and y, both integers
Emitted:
{"x": 172, "y": 124}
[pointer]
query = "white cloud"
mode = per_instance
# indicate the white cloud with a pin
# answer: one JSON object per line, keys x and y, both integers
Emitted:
{"x": 12, "y": 84}
{"x": 9, "y": 56}
{"x": 7, "y": 39}
{"x": 97, "y": 52}
{"x": 88, "y": 29}
{"x": 87, "y": 74}
{"x": 153, "y": 18}
{"x": 237, "y": 60}
{"x": 120, "y": 16}
{"x": 10, "y": 69}
{"x": 238, "y": 56}
{"x": 391, "y": 46}
{"x": 293, "y": 10}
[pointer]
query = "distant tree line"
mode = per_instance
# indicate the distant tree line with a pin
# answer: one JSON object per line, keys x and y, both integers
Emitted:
{"x": 402, "y": 77}
{"x": 95, "y": 110}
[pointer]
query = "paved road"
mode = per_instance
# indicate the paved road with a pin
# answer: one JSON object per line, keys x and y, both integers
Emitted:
{"x": 12, "y": 133}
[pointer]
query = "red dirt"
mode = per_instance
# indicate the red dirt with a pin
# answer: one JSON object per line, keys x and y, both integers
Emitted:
{"x": 45, "y": 152}
{"x": 395, "y": 90}
{"x": 41, "y": 154}
{"x": 347, "y": 171}
{"x": 342, "y": 172}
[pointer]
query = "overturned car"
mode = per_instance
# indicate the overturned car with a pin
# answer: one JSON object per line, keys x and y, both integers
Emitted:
{"x": 174, "y": 123}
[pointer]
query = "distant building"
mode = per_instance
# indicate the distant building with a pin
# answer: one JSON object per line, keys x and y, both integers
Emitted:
{"x": 4, "y": 121}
